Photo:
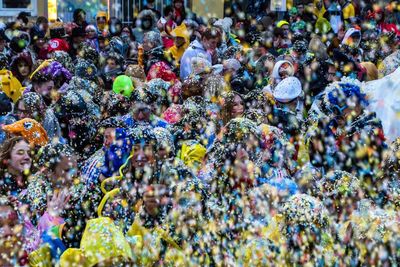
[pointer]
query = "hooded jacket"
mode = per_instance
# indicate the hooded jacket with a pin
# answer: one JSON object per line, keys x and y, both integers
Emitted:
{"x": 140, "y": 29}
{"x": 195, "y": 49}
{"x": 177, "y": 52}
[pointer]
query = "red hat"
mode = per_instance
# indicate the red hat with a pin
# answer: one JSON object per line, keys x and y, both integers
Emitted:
{"x": 57, "y": 45}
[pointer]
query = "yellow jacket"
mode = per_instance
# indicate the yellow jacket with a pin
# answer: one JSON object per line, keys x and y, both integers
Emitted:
{"x": 10, "y": 85}
{"x": 177, "y": 52}
{"x": 348, "y": 11}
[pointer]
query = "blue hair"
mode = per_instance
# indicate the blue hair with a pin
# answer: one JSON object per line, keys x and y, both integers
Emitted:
{"x": 348, "y": 90}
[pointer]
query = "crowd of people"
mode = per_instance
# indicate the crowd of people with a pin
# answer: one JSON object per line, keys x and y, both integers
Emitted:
{"x": 260, "y": 139}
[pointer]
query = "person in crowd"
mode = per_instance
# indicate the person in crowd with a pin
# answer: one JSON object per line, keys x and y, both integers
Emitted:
{"x": 31, "y": 105}
{"x": 181, "y": 42}
{"x": 150, "y": 5}
{"x": 166, "y": 24}
{"x": 21, "y": 67}
{"x": 11, "y": 235}
{"x": 203, "y": 48}
{"x": 146, "y": 21}
{"x": 156, "y": 64}
{"x": 91, "y": 37}
{"x": 16, "y": 166}
{"x": 266, "y": 137}
{"x": 80, "y": 18}
{"x": 101, "y": 22}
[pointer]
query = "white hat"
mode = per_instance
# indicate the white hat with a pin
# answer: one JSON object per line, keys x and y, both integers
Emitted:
{"x": 224, "y": 23}
{"x": 231, "y": 63}
{"x": 287, "y": 90}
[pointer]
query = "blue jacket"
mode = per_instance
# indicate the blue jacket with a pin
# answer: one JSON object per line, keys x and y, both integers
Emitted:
{"x": 195, "y": 49}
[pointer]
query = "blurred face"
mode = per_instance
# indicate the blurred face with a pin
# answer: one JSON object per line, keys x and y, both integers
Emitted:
{"x": 10, "y": 236}
{"x": 332, "y": 74}
{"x": 23, "y": 68}
{"x": 237, "y": 109}
{"x": 21, "y": 112}
{"x": 143, "y": 155}
{"x": 142, "y": 112}
{"x": 39, "y": 43}
{"x": 111, "y": 64}
{"x": 101, "y": 22}
{"x": 147, "y": 23}
{"x": 2, "y": 45}
{"x": 285, "y": 29}
{"x": 109, "y": 136}
{"x": 90, "y": 33}
{"x": 178, "y": 4}
{"x": 163, "y": 151}
{"x": 103, "y": 43}
{"x": 44, "y": 26}
{"x": 20, "y": 159}
{"x": 81, "y": 17}
{"x": 147, "y": 44}
{"x": 285, "y": 70}
{"x": 210, "y": 44}
{"x": 65, "y": 171}
{"x": 44, "y": 89}
{"x": 179, "y": 41}
{"x": 126, "y": 32}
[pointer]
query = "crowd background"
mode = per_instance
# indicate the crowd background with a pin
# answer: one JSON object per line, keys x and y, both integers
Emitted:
{"x": 260, "y": 139}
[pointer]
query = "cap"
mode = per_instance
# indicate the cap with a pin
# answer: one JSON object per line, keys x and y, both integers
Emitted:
{"x": 281, "y": 23}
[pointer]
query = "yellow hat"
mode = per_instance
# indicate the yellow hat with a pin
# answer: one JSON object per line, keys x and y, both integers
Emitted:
{"x": 181, "y": 31}
{"x": 101, "y": 14}
{"x": 281, "y": 23}
{"x": 10, "y": 85}
{"x": 102, "y": 242}
{"x": 192, "y": 154}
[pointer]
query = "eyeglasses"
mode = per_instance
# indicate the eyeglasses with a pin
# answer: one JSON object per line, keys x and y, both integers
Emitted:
{"x": 337, "y": 110}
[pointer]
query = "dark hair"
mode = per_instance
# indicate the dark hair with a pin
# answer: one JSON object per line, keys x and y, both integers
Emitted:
{"x": 211, "y": 32}
{"x": 168, "y": 9}
{"x": 23, "y": 16}
{"x": 77, "y": 12}
{"x": 40, "y": 77}
{"x": 24, "y": 56}
{"x": 50, "y": 155}
{"x": 228, "y": 105}
{"x": 278, "y": 32}
{"x": 41, "y": 20}
{"x": 18, "y": 44}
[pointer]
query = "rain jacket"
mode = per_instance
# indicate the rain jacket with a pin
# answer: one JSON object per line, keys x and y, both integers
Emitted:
{"x": 177, "y": 52}
{"x": 196, "y": 49}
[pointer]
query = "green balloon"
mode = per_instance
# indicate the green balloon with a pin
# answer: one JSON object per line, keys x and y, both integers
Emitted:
{"x": 123, "y": 85}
